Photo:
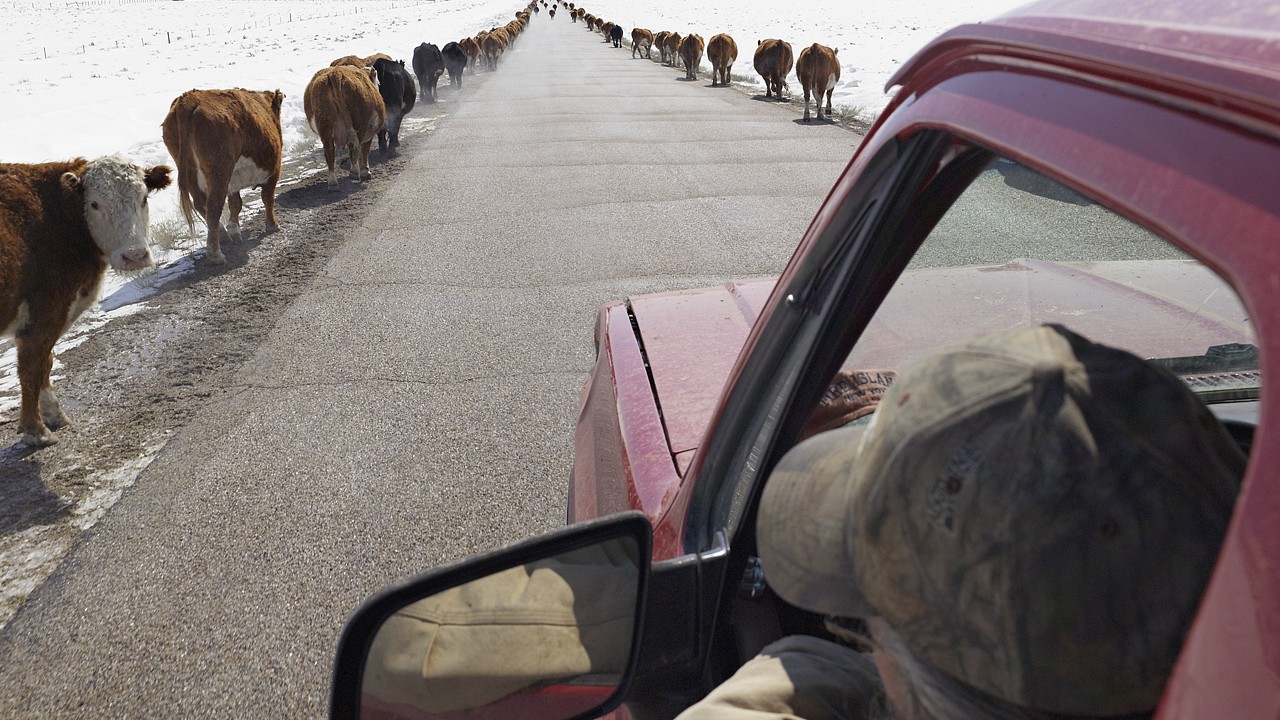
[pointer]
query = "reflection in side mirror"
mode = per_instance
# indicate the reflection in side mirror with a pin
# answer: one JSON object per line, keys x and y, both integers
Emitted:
{"x": 545, "y": 633}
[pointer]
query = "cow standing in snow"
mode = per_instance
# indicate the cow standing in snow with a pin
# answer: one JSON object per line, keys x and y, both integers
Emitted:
{"x": 61, "y": 224}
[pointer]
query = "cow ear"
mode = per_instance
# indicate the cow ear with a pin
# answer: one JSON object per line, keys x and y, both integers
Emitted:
{"x": 71, "y": 182}
{"x": 157, "y": 178}
{"x": 277, "y": 101}
{"x": 836, "y": 51}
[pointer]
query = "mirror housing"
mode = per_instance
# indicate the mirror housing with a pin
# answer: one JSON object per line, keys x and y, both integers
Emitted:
{"x": 449, "y": 642}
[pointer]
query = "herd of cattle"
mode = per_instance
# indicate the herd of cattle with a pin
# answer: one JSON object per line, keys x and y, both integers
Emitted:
{"x": 817, "y": 67}
{"x": 62, "y": 223}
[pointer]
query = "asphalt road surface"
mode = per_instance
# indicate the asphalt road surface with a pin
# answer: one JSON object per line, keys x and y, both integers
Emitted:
{"x": 387, "y": 383}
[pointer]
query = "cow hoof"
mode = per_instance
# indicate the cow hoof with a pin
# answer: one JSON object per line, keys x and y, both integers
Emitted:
{"x": 40, "y": 437}
{"x": 56, "y": 420}
{"x": 215, "y": 258}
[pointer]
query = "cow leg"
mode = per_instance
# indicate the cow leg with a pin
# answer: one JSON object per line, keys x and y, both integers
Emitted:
{"x": 213, "y": 220}
{"x": 269, "y": 201}
{"x": 353, "y": 154}
{"x": 393, "y": 128}
{"x": 364, "y": 161}
{"x": 234, "y": 205}
{"x": 35, "y": 361}
{"x": 831, "y": 89}
{"x": 806, "y": 102}
{"x": 382, "y": 143}
{"x": 330, "y": 158}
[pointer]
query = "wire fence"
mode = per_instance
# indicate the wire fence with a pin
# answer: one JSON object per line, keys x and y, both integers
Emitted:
{"x": 178, "y": 34}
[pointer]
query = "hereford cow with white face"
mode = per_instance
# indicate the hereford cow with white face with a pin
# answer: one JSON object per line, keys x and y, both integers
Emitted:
{"x": 61, "y": 224}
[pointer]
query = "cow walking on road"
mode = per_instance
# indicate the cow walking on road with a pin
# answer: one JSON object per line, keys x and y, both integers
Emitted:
{"x": 429, "y": 65}
{"x": 344, "y": 108}
{"x": 819, "y": 71}
{"x": 61, "y": 224}
{"x": 773, "y": 60}
{"x": 455, "y": 61}
{"x": 722, "y": 51}
{"x": 395, "y": 85}
{"x": 642, "y": 43}
{"x": 224, "y": 141}
{"x": 691, "y": 48}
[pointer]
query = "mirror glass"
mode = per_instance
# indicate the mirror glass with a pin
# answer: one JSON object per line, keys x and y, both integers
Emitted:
{"x": 547, "y": 640}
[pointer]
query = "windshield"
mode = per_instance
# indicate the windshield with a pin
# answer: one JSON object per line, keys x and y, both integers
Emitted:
{"x": 1020, "y": 249}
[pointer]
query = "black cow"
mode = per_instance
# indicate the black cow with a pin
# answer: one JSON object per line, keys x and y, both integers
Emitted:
{"x": 428, "y": 65}
{"x": 398, "y": 94}
{"x": 615, "y": 34}
{"x": 455, "y": 61}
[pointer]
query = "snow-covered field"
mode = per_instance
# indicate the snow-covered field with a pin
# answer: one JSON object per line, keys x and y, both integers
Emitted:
{"x": 96, "y": 77}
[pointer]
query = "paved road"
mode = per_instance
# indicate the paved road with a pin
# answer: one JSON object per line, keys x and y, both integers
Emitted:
{"x": 414, "y": 400}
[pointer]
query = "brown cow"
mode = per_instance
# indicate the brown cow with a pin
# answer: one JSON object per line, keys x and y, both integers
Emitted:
{"x": 344, "y": 108}
{"x": 492, "y": 47}
{"x": 673, "y": 48}
{"x": 357, "y": 61}
{"x": 471, "y": 47}
{"x": 818, "y": 71}
{"x": 605, "y": 29}
{"x": 224, "y": 141}
{"x": 642, "y": 42}
{"x": 660, "y": 42}
{"x": 773, "y": 61}
{"x": 61, "y": 223}
{"x": 691, "y": 48}
{"x": 721, "y": 51}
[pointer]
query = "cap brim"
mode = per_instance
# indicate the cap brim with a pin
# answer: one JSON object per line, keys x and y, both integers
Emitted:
{"x": 805, "y": 524}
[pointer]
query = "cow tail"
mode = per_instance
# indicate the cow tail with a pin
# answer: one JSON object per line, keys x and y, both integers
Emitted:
{"x": 187, "y": 169}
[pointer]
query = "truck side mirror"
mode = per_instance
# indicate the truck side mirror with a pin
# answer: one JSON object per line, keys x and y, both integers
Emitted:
{"x": 546, "y": 629}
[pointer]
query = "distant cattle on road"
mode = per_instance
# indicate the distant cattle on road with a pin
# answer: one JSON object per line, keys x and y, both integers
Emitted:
{"x": 818, "y": 71}
{"x": 642, "y": 43}
{"x": 428, "y": 65}
{"x": 224, "y": 141}
{"x": 357, "y": 61}
{"x": 673, "y": 49}
{"x": 343, "y": 106}
{"x": 691, "y": 48}
{"x": 471, "y": 47}
{"x": 773, "y": 60}
{"x": 660, "y": 42}
{"x": 398, "y": 94}
{"x": 455, "y": 61}
{"x": 492, "y": 47}
{"x": 615, "y": 34}
{"x": 61, "y": 224}
{"x": 722, "y": 51}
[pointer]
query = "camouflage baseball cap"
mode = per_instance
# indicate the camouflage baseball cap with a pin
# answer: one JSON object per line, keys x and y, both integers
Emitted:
{"x": 1034, "y": 514}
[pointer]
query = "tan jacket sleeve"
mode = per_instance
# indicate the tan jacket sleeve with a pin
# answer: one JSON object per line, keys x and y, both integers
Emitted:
{"x": 796, "y": 678}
